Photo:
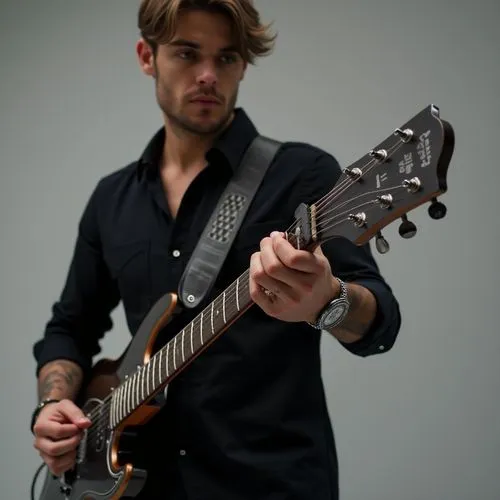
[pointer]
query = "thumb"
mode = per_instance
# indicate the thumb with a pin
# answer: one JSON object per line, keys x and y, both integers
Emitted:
{"x": 74, "y": 414}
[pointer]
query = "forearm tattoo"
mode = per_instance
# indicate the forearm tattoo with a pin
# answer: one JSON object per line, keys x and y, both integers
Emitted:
{"x": 60, "y": 379}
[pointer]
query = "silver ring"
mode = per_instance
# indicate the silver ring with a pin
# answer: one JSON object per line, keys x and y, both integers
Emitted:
{"x": 268, "y": 293}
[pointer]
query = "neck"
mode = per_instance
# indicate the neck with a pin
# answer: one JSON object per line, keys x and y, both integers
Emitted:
{"x": 186, "y": 150}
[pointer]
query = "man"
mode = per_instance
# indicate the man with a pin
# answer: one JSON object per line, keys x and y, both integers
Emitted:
{"x": 248, "y": 419}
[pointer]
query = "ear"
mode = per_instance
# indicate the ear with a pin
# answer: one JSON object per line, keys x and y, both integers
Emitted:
{"x": 145, "y": 57}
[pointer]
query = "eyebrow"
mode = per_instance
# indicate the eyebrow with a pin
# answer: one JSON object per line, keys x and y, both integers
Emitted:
{"x": 193, "y": 45}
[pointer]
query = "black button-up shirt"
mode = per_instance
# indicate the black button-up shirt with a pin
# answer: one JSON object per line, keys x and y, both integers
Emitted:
{"x": 248, "y": 418}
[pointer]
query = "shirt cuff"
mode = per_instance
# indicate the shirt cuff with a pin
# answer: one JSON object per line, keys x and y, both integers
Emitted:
{"x": 383, "y": 332}
{"x": 56, "y": 346}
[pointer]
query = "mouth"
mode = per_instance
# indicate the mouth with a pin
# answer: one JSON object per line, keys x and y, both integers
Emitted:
{"x": 206, "y": 101}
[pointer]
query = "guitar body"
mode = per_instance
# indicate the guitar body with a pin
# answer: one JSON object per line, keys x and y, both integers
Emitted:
{"x": 104, "y": 468}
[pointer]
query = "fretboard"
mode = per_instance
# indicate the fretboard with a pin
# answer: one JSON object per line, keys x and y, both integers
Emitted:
{"x": 186, "y": 345}
{"x": 180, "y": 350}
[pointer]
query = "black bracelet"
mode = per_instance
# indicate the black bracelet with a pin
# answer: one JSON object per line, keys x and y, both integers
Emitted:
{"x": 39, "y": 408}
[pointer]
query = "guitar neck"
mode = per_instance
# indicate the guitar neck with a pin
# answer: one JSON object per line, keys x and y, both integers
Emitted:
{"x": 200, "y": 332}
{"x": 150, "y": 378}
{"x": 184, "y": 347}
{"x": 402, "y": 172}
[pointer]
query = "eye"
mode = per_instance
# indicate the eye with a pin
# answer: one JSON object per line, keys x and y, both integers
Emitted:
{"x": 186, "y": 54}
{"x": 228, "y": 58}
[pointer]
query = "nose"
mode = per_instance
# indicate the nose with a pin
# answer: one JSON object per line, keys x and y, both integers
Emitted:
{"x": 207, "y": 75}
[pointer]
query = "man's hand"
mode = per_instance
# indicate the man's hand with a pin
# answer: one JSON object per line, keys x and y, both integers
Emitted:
{"x": 290, "y": 284}
{"x": 58, "y": 431}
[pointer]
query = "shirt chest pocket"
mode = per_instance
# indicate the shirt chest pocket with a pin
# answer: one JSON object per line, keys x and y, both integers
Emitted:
{"x": 129, "y": 266}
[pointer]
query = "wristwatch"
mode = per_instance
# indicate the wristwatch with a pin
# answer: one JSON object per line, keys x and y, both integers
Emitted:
{"x": 335, "y": 311}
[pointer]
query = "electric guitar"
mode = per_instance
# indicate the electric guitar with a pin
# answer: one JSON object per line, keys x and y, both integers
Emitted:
{"x": 406, "y": 170}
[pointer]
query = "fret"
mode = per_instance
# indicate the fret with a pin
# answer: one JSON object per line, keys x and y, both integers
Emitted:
{"x": 121, "y": 413}
{"x": 147, "y": 379}
{"x": 192, "y": 325}
{"x": 212, "y": 319}
{"x": 201, "y": 328}
{"x": 111, "y": 410}
{"x": 134, "y": 390}
{"x": 122, "y": 399}
{"x": 224, "y": 307}
{"x": 168, "y": 347}
{"x": 113, "y": 403}
{"x": 113, "y": 400}
{"x": 142, "y": 383}
{"x": 175, "y": 344}
{"x": 120, "y": 403}
{"x": 126, "y": 396}
{"x": 183, "y": 357}
{"x": 237, "y": 294}
{"x": 159, "y": 366}
{"x": 117, "y": 406}
{"x": 154, "y": 366}
{"x": 128, "y": 405}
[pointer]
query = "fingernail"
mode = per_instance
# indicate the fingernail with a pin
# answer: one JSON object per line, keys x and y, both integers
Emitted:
{"x": 275, "y": 233}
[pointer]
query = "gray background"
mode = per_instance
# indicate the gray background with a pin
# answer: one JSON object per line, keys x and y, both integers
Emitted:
{"x": 420, "y": 422}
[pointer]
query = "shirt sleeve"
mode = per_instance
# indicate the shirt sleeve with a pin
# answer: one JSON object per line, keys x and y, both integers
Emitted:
{"x": 81, "y": 316}
{"x": 353, "y": 263}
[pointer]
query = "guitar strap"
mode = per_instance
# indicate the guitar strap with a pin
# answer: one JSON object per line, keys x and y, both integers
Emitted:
{"x": 216, "y": 240}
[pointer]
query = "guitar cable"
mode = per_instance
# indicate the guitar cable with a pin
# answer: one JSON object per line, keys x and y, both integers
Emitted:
{"x": 35, "y": 477}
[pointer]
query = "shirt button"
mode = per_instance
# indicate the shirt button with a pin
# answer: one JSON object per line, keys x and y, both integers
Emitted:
{"x": 381, "y": 347}
{"x": 182, "y": 453}
{"x": 176, "y": 253}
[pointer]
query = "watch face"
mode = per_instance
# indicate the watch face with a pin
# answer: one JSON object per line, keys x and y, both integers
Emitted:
{"x": 335, "y": 314}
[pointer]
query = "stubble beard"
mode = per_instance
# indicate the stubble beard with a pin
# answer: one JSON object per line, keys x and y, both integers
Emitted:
{"x": 179, "y": 120}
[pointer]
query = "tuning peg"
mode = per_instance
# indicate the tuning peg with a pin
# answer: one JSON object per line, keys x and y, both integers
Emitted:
{"x": 380, "y": 154}
{"x": 437, "y": 210}
{"x": 407, "y": 229}
{"x": 405, "y": 135}
{"x": 381, "y": 244}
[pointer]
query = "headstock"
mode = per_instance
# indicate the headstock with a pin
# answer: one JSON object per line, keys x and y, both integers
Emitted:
{"x": 404, "y": 171}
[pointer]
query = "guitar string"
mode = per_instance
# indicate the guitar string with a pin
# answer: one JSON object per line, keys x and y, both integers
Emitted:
{"x": 104, "y": 417}
{"x": 231, "y": 310}
{"x": 373, "y": 201}
{"x": 365, "y": 169}
{"x": 101, "y": 410}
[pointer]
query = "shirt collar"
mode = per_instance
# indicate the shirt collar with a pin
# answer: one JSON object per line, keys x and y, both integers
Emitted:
{"x": 230, "y": 145}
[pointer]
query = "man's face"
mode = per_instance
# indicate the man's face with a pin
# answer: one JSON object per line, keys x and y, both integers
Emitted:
{"x": 198, "y": 73}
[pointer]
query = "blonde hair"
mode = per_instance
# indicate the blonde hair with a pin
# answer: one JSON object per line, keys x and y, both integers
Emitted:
{"x": 157, "y": 22}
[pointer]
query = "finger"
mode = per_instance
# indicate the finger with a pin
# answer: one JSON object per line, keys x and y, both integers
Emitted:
{"x": 54, "y": 430}
{"x": 57, "y": 448}
{"x": 298, "y": 260}
{"x": 73, "y": 413}
{"x": 260, "y": 281}
{"x": 296, "y": 282}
